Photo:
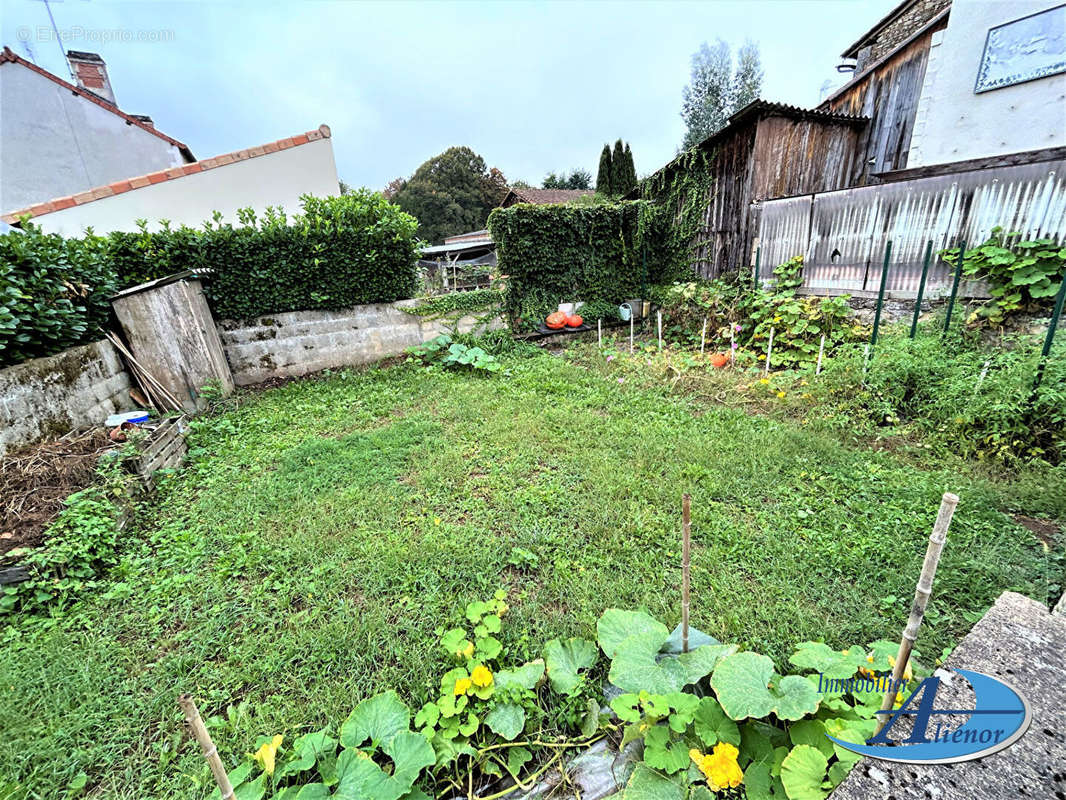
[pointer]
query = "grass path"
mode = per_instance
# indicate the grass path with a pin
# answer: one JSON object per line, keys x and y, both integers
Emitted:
{"x": 326, "y": 530}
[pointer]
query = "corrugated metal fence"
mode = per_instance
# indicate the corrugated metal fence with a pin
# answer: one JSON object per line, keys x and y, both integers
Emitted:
{"x": 842, "y": 234}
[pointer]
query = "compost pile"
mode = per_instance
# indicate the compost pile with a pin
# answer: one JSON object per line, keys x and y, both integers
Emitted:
{"x": 35, "y": 480}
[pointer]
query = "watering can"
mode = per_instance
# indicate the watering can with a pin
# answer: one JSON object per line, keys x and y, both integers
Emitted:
{"x": 625, "y": 311}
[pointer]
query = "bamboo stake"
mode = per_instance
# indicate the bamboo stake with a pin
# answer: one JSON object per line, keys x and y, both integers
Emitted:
{"x": 821, "y": 351}
{"x": 659, "y": 325}
{"x": 921, "y": 599}
{"x": 686, "y": 538}
{"x": 199, "y": 731}
{"x": 769, "y": 352}
{"x": 703, "y": 336}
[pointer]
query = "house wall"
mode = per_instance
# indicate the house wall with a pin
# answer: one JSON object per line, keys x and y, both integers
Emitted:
{"x": 300, "y": 342}
{"x": 57, "y": 143}
{"x": 956, "y": 124}
{"x": 899, "y": 30}
{"x": 49, "y": 396}
{"x": 271, "y": 179}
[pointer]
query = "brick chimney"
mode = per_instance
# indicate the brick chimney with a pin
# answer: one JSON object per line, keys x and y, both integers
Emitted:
{"x": 90, "y": 72}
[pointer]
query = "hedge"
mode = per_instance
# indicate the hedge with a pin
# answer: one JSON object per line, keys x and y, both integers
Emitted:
{"x": 341, "y": 251}
{"x": 603, "y": 254}
{"x": 54, "y": 293}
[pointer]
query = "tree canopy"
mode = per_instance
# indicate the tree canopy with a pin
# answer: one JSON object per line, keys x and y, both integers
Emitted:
{"x": 577, "y": 179}
{"x": 451, "y": 193}
{"x": 716, "y": 90}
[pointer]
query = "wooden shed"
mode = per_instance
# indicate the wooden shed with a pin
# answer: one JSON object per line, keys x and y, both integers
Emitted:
{"x": 766, "y": 150}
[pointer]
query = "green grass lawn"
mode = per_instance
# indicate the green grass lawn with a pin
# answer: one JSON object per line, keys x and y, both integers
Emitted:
{"x": 327, "y": 530}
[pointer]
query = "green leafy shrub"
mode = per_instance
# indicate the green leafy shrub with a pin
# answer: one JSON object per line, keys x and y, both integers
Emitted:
{"x": 975, "y": 401}
{"x": 457, "y": 303}
{"x": 446, "y": 353}
{"x": 562, "y": 253}
{"x": 1020, "y": 273}
{"x": 142, "y": 256}
{"x": 54, "y": 293}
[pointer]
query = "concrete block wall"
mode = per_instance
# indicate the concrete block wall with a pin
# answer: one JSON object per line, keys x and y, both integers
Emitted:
{"x": 47, "y": 397}
{"x": 300, "y": 342}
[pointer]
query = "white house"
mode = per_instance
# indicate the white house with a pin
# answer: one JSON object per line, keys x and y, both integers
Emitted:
{"x": 72, "y": 160}
{"x": 58, "y": 138}
{"x": 995, "y": 82}
{"x": 274, "y": 174}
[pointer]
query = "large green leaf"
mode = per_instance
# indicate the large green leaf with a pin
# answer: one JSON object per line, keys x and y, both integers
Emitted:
{"x": 811, "y": 732}
{"x": 712, "y": 725}
{"x": 635, "y": 668}
{"x": 565, "y": 662}
{"x": 802, "y": 773}
{"x": 360, "y": 778}
{"x": 306, "y": 751}
{"x": 741, "y": 681}
{"x": 662, "y": 751}
{"x": 506, "y": 720}
{"x": 700, "y": 662}
{"x": 616, "y": 625}
{"x": 526, "y": 676}
{"x": 794, "y": 697}
{"x": 647, "y": 784}
{"x": 820, "y": 657}
{"x": 377, "y": 718}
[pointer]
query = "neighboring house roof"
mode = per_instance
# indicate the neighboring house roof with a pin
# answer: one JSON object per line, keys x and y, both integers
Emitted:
{"x": 469, "y": 236}
{"x": 9, "y": 56}
{"x": 458, "y": 247}
{"x": 758, "y": 109}
{"x": 172, "y": 173}
{"x": 544, "y": 197}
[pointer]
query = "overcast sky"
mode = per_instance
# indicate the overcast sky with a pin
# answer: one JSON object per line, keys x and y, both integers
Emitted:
{"x": 532, "y": 87}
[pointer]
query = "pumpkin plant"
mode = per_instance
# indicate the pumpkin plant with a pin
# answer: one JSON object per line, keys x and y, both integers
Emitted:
{"x": 441, "y": 350}
{"x": 716, "y": 718}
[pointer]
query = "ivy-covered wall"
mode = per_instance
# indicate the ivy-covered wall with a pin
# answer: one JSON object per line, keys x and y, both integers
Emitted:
{"x": 602, "y": 254}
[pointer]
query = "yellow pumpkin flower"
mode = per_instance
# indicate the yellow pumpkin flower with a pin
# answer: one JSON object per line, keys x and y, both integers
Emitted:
{"x": 468, "y": 651}
{"x": 461, "y": 686}
{"x": 719, "y": 767}
{"x": 481, "y": 676}
{"x": 266, "y": 754}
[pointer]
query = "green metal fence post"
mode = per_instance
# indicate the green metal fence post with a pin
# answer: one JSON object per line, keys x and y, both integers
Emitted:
{"x": 955, "y": 284}
{"x": 921, "y": 287}
{"x": 755, "y": 272}
{"x": 1050, "y": 338}
{"x": 881, "y": 293}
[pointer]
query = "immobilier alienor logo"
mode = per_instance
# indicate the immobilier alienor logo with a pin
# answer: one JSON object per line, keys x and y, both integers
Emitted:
{"x": 999, "y": 717}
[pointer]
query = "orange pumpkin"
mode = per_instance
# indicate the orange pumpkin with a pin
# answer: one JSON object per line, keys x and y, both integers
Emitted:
{"x": 574, "y": 321}
{"x": 719, "y": 360}
{"x": 556, "y": 320}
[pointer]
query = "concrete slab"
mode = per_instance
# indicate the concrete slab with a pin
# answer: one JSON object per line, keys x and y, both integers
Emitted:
{"x": 1019, "y": 641}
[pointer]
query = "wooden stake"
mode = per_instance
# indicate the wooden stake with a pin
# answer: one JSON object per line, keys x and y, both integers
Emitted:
{"x": 199, "y": 731}
{"x": 732, "y": 346}
{"x": 703, "y": 335}
{"x": 630, "y": 331}
{"x": 599, "y": 332}
{"x": 821, "y": 349}
{"x": 686, "y": 537}
{"x": 769, "y": 352}
{"x": 981, "y": 377}
{"x": 659, "y": 325}
{"x": 921, "y": 599}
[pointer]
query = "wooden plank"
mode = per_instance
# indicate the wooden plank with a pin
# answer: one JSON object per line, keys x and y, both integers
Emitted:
{"x": 164, "y": 457}
{"x": 955, "y": 167}
{"x": 9, "y": 575}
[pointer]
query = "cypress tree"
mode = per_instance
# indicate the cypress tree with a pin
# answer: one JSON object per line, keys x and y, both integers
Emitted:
{"x": 631, "y": 170}
{"x": 618, "y": 170}
{"x": 603, "y": 176}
